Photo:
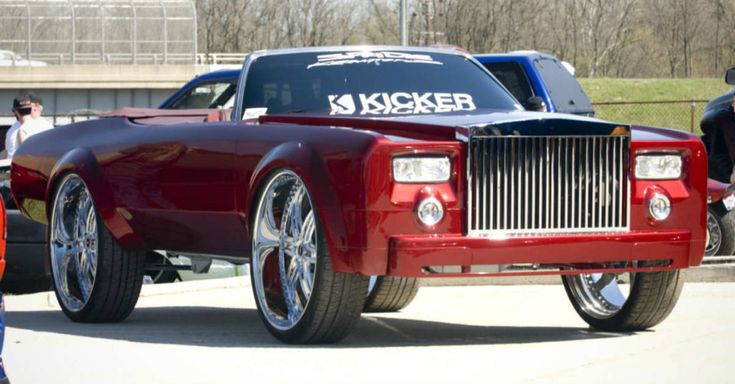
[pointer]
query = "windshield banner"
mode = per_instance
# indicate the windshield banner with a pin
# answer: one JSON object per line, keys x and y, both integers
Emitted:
{"x": 399, "y": 103}
{"x": 369, "y": 57}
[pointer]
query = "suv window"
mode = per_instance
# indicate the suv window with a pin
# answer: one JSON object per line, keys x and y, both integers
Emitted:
{"x": 566, "y": 93}
{"x": 216, "y": 94}
{"x": 513, "y": 77}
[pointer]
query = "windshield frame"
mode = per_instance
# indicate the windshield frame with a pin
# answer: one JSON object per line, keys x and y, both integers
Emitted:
{"x": 238, "y": 108}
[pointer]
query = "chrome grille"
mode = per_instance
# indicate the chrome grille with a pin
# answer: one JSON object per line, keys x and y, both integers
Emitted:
{"x": 537, "y": 184}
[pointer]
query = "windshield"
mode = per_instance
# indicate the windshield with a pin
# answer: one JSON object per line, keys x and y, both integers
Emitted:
{"x": 213, "y": 94}
{"x": 369, "y": 83}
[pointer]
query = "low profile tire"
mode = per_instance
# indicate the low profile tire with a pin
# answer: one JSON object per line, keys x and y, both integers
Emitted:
{"x": 95, "y": 280}
{"x": 390, "y": 294}
{"x": 617, "y": 303}
{"x": 720, "y": 231}
{"x": 299, "y": 297}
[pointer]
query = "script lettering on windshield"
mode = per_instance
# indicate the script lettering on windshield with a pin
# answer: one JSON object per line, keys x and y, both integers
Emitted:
{"x": 372, "y": 57}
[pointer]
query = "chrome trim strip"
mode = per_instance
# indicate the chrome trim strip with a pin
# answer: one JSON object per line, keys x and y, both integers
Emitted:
{"x": 502, "y": 234}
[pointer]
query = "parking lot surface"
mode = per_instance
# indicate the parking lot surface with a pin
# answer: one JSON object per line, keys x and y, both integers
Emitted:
{"x": 209, "y": 332}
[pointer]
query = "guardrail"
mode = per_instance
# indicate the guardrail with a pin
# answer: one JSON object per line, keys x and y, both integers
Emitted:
{"x": 141, "y": 58}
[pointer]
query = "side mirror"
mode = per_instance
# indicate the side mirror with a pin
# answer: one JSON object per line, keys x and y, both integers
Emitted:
{"x": 730, "y": 76}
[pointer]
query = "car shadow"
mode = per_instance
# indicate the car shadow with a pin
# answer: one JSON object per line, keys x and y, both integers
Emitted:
{"x": 237, "y": 327}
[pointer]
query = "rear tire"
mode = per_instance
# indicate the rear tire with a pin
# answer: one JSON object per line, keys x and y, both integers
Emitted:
{"x": 160, "y": 276}
{"x": 651, "y": 298}
{"x": 300, "y": 299}
{"x": 94, "y": 279}
{"x": 391, "y": 294}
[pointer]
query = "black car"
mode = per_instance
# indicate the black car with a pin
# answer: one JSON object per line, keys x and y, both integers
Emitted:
{"x": 718, "y": 126}
{"x": 27, "y": 264}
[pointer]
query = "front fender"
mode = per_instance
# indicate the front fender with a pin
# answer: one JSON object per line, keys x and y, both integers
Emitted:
{"x": 309, "y": 165}
{"x": 82, "y": 162}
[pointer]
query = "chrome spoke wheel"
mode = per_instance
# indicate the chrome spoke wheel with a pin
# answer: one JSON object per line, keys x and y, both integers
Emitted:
{"x": 285, "y": 250}
{"x": 714, "y": 235}
{"x": 600, "y": 295}
{"x": 73, "y": 243}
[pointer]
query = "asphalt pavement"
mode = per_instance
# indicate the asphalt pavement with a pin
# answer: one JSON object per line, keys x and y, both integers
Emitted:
{"x": 209, "y": 332}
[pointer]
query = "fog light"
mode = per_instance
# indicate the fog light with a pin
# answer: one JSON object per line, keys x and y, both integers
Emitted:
{"x": 659, "y": 206}
{"x": 430, "y": 211}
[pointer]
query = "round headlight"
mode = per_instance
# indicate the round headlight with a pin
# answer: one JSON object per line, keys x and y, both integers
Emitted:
{"x": 430, "y": 211}
{"x": 659, "y": 206}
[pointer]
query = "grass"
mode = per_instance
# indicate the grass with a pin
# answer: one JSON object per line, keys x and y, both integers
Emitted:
{"x": 600, "y": 90}
{"x": 684, "y": 115}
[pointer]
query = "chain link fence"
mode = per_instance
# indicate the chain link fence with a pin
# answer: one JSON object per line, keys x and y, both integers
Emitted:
{"x": 98, "y": 31}
{"x": 677, "y": 114}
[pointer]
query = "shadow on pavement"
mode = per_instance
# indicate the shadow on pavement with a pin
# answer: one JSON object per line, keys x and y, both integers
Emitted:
{"x": 235, "y": 327}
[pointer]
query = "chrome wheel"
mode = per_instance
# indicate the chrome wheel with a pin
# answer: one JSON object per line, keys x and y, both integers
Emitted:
{"x": 73, "y": 243}
{"x": 285, "y": 250}
{"x": 600, "y": 295}
{"x": 714, "y": 235}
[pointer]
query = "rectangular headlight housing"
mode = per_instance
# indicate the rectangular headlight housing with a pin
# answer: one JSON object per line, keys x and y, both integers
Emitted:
{"x": 435, "y": 169}
{"x": 657, "y": 167}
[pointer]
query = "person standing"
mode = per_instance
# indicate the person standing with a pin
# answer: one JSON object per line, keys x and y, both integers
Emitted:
{"x": 27, "y": 109}
{"x": 37, "y": 109}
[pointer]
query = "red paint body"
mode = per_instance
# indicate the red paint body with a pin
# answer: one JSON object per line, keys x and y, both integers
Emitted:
{"x": 191, "y": 187}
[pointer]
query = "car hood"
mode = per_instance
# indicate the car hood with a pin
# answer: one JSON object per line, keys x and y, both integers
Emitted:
{"x": 720, "y": 102}
{"x": 459, "y": 126}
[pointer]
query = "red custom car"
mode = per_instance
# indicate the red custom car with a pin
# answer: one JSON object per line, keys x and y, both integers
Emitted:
{"x": 342, "y": 163}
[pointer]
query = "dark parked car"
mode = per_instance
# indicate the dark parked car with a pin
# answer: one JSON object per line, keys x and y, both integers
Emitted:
{"x": 718, "y": 128}
{"x": 28, "y": 265}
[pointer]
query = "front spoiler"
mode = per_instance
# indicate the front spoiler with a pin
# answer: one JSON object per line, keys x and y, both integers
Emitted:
{"x": 423, "y": 255}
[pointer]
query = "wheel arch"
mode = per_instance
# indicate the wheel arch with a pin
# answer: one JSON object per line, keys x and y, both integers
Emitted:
{"x": 82, "y": 162}
{"x": 303, "y": 160}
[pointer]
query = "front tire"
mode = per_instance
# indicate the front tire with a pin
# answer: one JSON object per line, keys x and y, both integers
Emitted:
{"x": 299, "y": 297}
{"x": 607, "y": 303}
{"x": 94, "y": 279}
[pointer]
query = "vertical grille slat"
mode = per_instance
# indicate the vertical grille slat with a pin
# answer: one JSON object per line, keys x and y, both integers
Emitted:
{"x": 542, "y": 184}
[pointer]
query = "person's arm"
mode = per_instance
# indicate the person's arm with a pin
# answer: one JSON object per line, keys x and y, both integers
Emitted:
{"x": 22, "y": 136}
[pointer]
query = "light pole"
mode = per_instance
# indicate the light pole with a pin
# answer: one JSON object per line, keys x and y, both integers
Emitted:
{"x": 403, "y": 23}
